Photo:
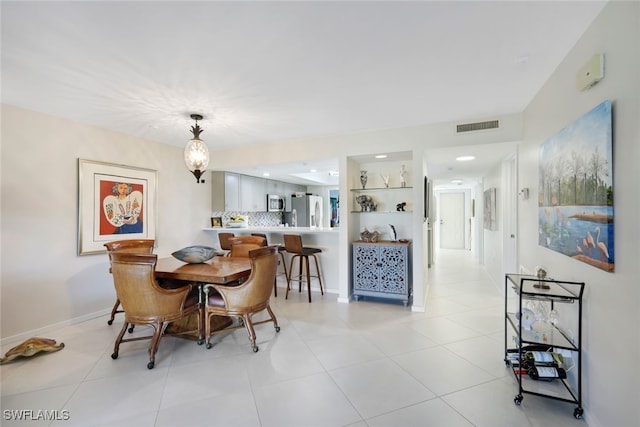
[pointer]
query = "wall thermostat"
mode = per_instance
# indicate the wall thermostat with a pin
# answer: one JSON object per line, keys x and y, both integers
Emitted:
{"x": 590, "y": 73}
{"x": 524, "y": 193}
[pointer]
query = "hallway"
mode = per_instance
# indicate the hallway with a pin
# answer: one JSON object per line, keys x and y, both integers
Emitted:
{"x": 364, "y": 364}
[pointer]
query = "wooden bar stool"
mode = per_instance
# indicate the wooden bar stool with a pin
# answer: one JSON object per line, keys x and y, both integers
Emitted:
{"x": 293, "y": 245}
{"x": 224, "y": 241}
{"x": 281, "y": 251}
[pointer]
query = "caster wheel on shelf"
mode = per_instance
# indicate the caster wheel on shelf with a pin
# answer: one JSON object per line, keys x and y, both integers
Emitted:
{"x": 517, "y": 400}
{"x": 114, "y": 355}
{"x": 130, "y": 329}
{"x": 255, "y": 348}
{"x": 209, "y": 345}
{"x": 577, "y": 413}
{"x": 150, "y": 365}
{"x": 200, "y": 342}
{"x": 110, "y": 322}
{"x": 277, "y": 328}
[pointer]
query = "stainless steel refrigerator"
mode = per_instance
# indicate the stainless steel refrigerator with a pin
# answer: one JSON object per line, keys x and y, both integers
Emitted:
{"x": 308, "y": 211}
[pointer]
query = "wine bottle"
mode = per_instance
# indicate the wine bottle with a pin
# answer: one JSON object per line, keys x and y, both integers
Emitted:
{"x": 545, "y": 372}
{"x": 543, "y": 358}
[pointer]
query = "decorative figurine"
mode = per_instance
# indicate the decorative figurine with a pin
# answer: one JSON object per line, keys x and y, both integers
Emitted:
{"x": 403, "y": 176}
{"x": 400, "y": 206}
{"x": 366, "y": 203}
{"x": 392, "y": 233}
{"x": 385, "y": 179}
{"x": 363, "y": 178}
{"x": 369, "y": 236}
{"x": 30, "y": 347}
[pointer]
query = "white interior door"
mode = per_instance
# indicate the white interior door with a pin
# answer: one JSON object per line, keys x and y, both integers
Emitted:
{"x": 510, "y": 216}
{"x": 451, "y": 220}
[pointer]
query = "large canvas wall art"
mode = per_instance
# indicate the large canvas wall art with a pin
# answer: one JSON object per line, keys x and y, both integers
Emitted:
{"x": 575, "y": 206}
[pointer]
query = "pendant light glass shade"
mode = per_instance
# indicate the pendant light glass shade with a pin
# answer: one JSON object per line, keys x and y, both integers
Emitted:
{"x": 196, "y": 153}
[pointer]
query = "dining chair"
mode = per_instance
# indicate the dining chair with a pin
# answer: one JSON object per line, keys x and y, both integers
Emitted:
{"x": 241, "y": 245}
{"x": 293, "y": 244}
{"x": 281, "y": 251}
{"x": 145, "y": 302}
{"x": 134, "y": 246}
{"x": 244, "y": 300}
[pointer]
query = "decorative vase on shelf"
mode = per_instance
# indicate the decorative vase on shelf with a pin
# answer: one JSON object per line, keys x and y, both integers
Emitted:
{"x": 363, "y": 178}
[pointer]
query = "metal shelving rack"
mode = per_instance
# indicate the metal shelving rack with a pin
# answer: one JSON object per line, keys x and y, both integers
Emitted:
{"x": 551, "y": 292}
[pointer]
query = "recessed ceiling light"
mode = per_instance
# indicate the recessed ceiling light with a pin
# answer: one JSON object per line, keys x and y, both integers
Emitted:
{"x": 313, "y": 170}
{"x": 381, "y": 156}
{"x": 266, "y": 174}
{"x": 456, "y": 181}
{"x": 465, "y": 158}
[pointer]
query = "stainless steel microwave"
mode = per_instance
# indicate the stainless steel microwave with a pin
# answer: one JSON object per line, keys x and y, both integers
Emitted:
{"x": 275, "y": 203}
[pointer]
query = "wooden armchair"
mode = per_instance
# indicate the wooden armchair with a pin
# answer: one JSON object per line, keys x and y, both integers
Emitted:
{"x": 241, "y": 246}
{"x": 134, "y": 246}
{"x": 246, "y": 299}
{"x": 145, "y": 302}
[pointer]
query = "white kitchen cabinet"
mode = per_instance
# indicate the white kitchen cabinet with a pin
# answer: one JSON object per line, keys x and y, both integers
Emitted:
{"x": 253, "y": 194}
{"x": 225, "y": 191}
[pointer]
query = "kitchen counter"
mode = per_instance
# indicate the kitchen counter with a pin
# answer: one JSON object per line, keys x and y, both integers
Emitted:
{"x": 322, "y": 238}
{"x": 282, "y": 230}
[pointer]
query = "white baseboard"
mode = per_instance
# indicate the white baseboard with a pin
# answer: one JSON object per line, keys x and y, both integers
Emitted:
{"x": 45, "y": 330}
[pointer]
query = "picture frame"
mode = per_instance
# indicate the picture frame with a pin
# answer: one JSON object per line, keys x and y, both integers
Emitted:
{"x": 115, "y": 202}
{"x": 427, "y": 196}
{"x": 490, "y": 211}
{"x": 216, "y": 222}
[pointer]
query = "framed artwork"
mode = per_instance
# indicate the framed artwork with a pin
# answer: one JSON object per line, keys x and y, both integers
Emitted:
{"x": 575, "y": 197}
{"x": 427, "y": 192}
{"x": 489, "y": 217}
{"x": 216, "y": 222}
{"x": 115, "y": 202}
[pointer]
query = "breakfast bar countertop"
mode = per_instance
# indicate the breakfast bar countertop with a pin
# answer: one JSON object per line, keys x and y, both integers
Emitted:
{"x": 275, "y": 229}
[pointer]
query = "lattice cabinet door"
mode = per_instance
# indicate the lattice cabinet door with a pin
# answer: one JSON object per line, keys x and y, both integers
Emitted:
{"x": 365, "y": 271}
{"x": 393, "y": 269}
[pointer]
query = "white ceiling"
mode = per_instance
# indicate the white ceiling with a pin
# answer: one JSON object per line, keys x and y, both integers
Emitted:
{"x": 262, "y": 71}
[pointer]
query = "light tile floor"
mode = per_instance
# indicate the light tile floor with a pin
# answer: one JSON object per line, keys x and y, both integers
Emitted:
{"x": 362, "y": 364}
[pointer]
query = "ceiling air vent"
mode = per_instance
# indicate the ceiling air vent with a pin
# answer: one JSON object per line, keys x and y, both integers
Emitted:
{"x": 470, "y": 127}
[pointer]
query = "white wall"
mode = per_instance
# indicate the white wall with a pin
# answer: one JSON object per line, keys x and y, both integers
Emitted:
{"x": 43, "y": 280}
{"x": 611, "y": 300}
{"x": 39, "y": 198}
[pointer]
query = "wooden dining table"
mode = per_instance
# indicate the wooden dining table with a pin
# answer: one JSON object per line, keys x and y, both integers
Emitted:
{"x": 218, "y": 270}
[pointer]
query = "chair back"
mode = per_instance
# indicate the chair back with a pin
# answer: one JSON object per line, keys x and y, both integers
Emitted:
{"x": 134, "y": 246}
{"x": 139, "y": 292}
{"x": 224, "y": 240}
{"x": 293, "y": 243}
{"x": 259, "y": 285}
{"x": 261, "y": 235}
{"x": 242, "y": 245}
{"x": 130, "y": 246}
{"x": 256, "y": 240}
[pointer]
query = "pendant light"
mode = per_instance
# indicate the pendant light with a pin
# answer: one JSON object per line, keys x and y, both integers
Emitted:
{"x": 196, "y": 153}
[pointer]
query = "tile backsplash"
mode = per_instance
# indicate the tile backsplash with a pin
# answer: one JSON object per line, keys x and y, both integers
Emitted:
{"x": 256, "y": 219}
